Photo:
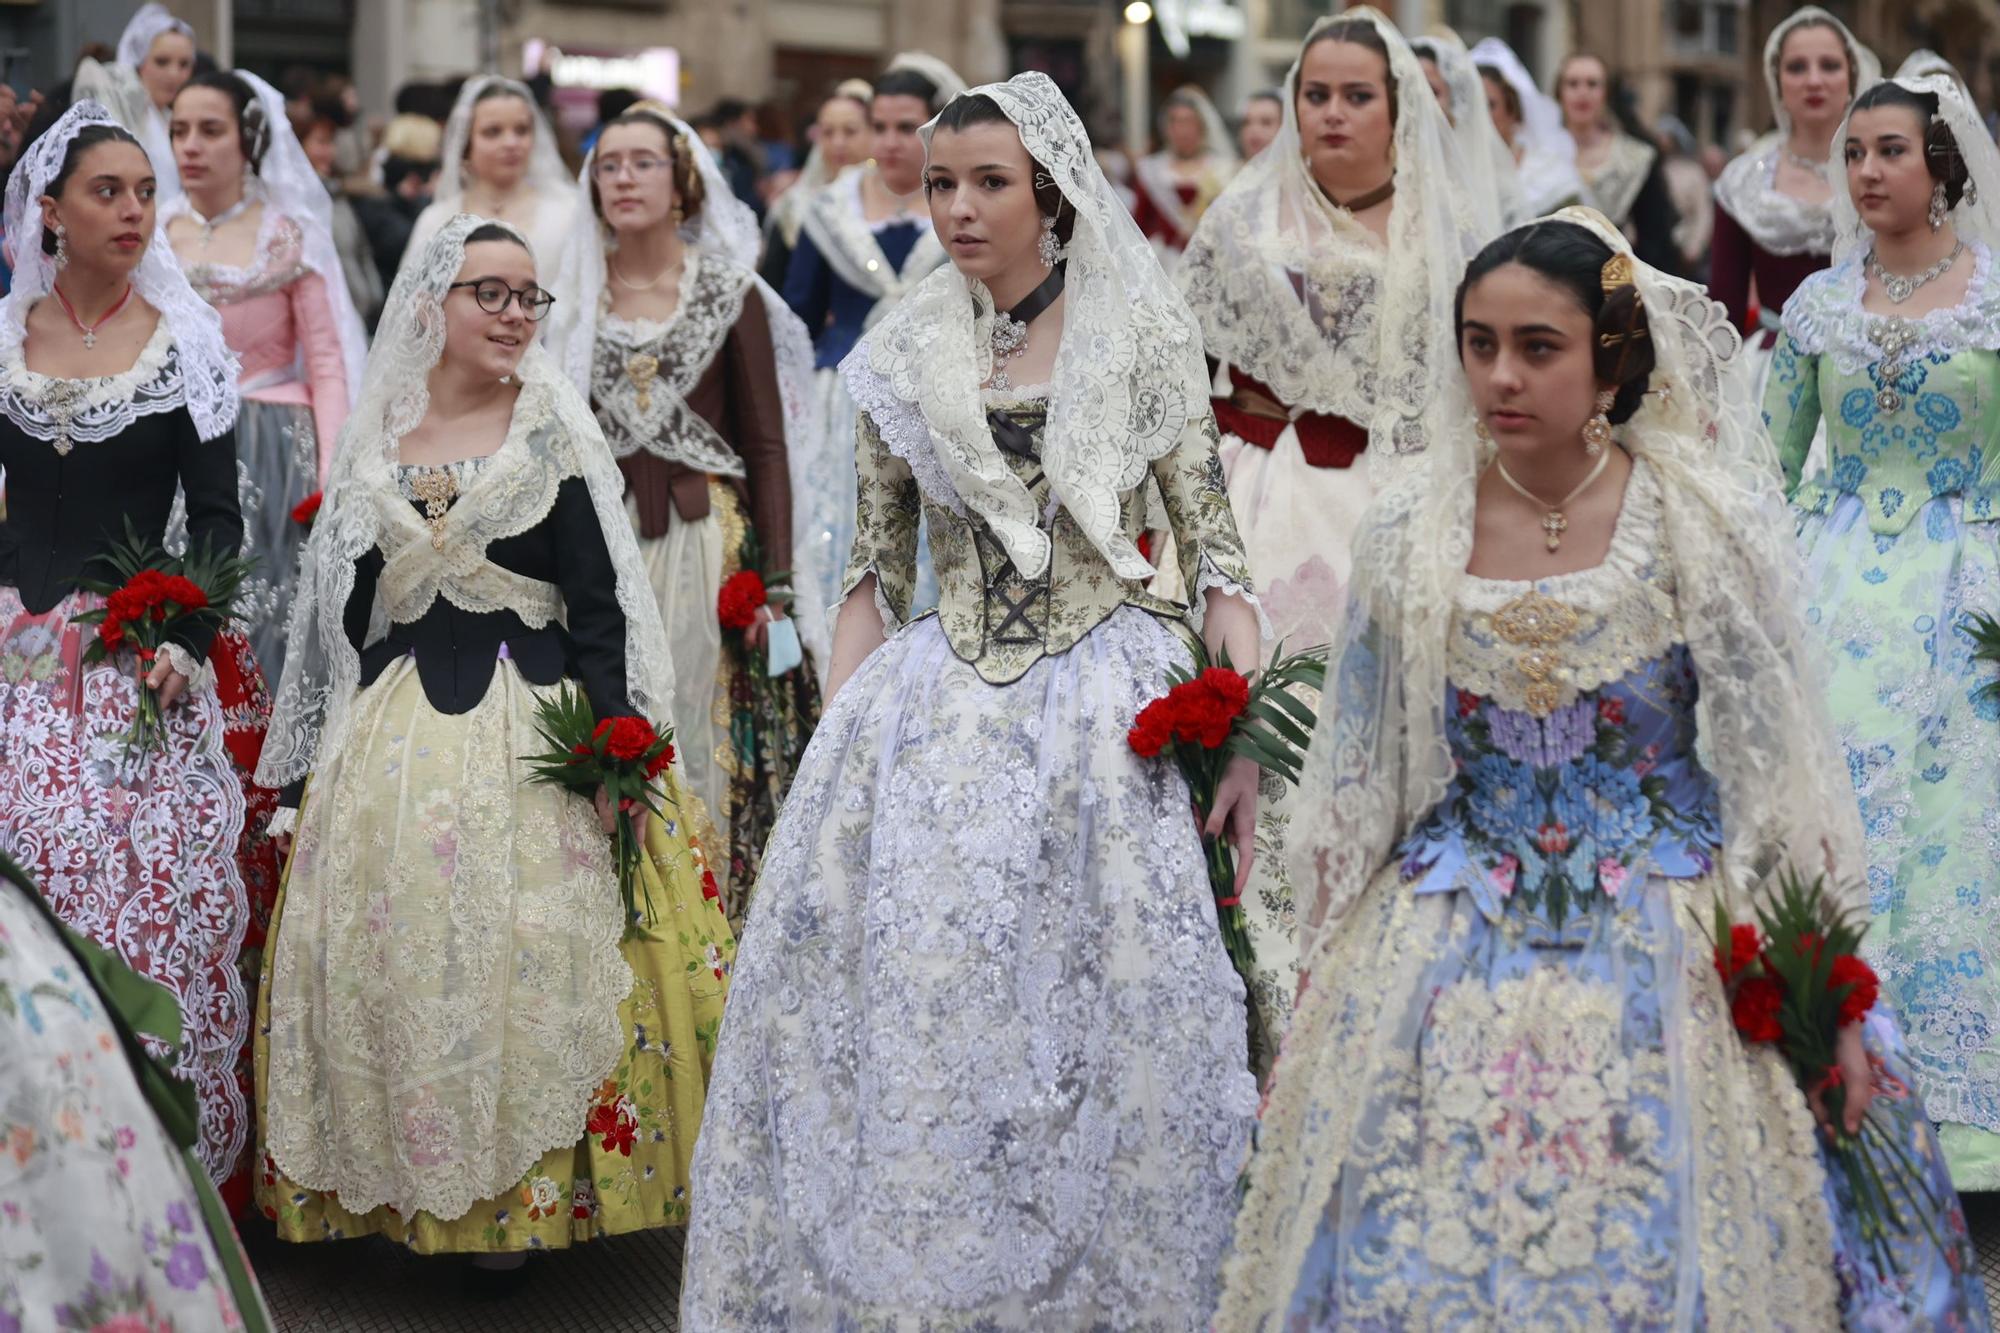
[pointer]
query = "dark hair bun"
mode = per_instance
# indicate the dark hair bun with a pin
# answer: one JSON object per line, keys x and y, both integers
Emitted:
{"x": 1946, "y": 162}
{"x": 1624, "y": 353}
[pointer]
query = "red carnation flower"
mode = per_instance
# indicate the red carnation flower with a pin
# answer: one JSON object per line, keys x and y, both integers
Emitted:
{"x": 660, "y": 762}
{"x": 1755, "y": 1009}
{"x": 1152, "y": 729}
{"x": 736, "y": 606}
{"x": 1744, "y": 946}
{"x": 628, "y": 738}
{"x": 306, "y": 510}
{"x": 1231, "y": 687}
{"x": 186, "y": 592}
{"x": 1849, "y": 970}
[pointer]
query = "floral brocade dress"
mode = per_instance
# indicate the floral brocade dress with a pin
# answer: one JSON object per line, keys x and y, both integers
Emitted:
{"x": 1552, "y": 1122}
{"x": 1901, "y": 539}
{"x": 460, "y": 1041}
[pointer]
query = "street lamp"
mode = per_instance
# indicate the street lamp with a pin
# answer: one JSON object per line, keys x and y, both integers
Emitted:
{"x": 1138, "y": 13}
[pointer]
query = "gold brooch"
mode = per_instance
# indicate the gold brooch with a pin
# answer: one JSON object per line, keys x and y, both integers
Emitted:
{"x": 1537, "y": 624}
{"x": 642, "y": 368}
{"x": 437, "y": 488}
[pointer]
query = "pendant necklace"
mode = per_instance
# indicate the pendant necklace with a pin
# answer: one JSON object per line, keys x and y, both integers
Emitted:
{"x": 229, "y": 214}
{"x": 1554, "y": 524}
{"x": 1010, "y": 327}
{"x": 1899, "y": 288}
{"x": 89, "y": 331}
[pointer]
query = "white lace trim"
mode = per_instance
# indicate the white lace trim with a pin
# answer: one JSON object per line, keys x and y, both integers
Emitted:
{"x": 1825, "y": 317}
{"x": 1613, "y": 188}
{"x": 90, "y": 411}
{"x": 1207, "y": 577}
{"x": 200, "y": 675}
{"x": 283, "y": 822}
{"x": 1780, "y": 223}
{"x": 642, "y": 371}
{"x": 901, "y": 426}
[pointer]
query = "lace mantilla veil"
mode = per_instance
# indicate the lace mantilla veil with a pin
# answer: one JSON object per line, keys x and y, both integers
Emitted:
{"x": 1487, "y": 156}
{"x": 1273, "y": 227}
{"x": 1977, "y": 215}
{"x": 724, "y": 231}
{"x": 314, "y": 713}
{"x": 1547, "y": 170}
{"x": 204, "y": 364}
{"x": 1380, "y": 759}
{"x": 1778, "y": 222}
{"x": 545, "y": 176}
{"x": 290, "y": 188}
{"x": 1128, "y": 380}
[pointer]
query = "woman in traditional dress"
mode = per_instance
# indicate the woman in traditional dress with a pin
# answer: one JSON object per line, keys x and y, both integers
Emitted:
{"x": 1617, "y": 160}
{"x": 1176, "y": 184}
{"x": 159, "y": 49}
{"x": 1572, "y": 709}
{"x": 700, "y": 377}
{"x": 840, "y": 141}
{"x": 1258, "y": 122}
{"x": 1531, "y": 124}
{"x": 500, "y": 161}
{"x": 1896, "y": 348}
{"x": 117, "y": 390}
{"x": 1491, "y": 173}
{"x": 865, "y": 242}
{"x": 457, "y": 1048}
{"x": 1774, "y": 203}
{"x": 1322, "y": 279}
{"x": 984, "y": 1064}
{"x": 111, "y": 1222}
{"x": 253, "y": 229}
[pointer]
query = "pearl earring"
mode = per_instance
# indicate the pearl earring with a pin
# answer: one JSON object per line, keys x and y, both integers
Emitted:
{"x": 1047, "y": 248}
{"x": 62, "y": 246}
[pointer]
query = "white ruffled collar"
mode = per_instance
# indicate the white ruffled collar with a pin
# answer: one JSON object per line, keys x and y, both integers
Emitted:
{"x": 1825, "y": 316}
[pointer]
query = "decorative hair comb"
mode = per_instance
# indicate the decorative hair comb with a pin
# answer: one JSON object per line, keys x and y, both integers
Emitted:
{"x": 1616, "y": 273}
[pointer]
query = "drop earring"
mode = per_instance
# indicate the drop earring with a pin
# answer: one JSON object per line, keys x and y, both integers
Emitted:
{"x": 1938, "y": 206}
{"x": 1597, "y": 430}
{"x": 1479, "y": 429}
{"x": 1047, "y": 247}
{"x": 62, "y": 246}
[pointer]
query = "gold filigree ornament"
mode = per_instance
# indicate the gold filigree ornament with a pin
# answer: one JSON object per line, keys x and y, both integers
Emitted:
{"x": 642, "y": 368}
{"x": 1617, "y": 272}
{"x": 1538, "y": 624}
{"x": 437, "y": 488}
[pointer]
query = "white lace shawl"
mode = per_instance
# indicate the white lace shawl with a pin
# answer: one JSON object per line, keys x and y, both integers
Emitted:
{"x": 291, "y": 189}
{"x": 553, "y": 436}
{"x": 1825, "y": 317}
{"x": 1291, "y": 290}
{"x": 143, "y": 29}
{"x": 199, "y": 371}
{"x": 1547, "y": 172}
{"x": 1380, "y": 759}
{"x": 1614, "y": 187}
{"x": 834, "y": 223}
{"x": 1977, "y": 215}
{"x": 1128, "y": 375}
{"x": 1488, "y": 159}
{"x": 1780, "y": 223}
{"x": 546, "y": 180}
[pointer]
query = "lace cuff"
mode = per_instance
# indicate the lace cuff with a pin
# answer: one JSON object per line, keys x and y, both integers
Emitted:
{"x": 1210, "y": 576}
{"x": 200, "y": 675}
{"x": 284, "y": 822}
{"x": 890, "y": 623}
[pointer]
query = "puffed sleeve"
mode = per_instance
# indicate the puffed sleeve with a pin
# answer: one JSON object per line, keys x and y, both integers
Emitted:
{"x": 214, "y": 517}
{"x": 325, "y": 361}
{"x": 888, "y": 510}
{"x": 1197, "y": 506}
{"x": 1791, "y": 406}
{"x": 589, "y": 583}
{"x": 757, "y": 411}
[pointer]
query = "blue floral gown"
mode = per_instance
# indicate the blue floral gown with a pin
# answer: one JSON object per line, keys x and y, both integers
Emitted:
{"x": 1901, "y": 537}
{"x": 1553, "y": 1123}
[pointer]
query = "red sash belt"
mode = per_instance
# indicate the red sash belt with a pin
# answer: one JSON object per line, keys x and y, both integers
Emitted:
{"x": 1256, "y": 418}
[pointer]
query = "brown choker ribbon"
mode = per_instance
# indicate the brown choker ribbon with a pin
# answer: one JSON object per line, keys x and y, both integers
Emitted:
{"x": 1361, "y": 201}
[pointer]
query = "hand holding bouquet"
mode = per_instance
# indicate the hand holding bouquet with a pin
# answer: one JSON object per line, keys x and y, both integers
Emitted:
{"x": 1213, "y": 714}
{"x": 1795, "y": 980}
{"x": 151, "y": 599}
{"x": 620, "y": 757}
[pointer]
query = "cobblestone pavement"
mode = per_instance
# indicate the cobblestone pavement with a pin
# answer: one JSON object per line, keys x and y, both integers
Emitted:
{"x": 630, "y": 1284}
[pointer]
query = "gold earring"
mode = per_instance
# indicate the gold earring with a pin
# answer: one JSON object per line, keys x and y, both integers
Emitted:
{"x": 1597, "y": 430}
{"x": 1479, "y": 428}
{"x": 677, "y": 213}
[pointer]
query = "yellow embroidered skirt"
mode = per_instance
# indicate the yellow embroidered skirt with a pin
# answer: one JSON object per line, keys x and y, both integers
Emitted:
{"x": 627, "y": 1168}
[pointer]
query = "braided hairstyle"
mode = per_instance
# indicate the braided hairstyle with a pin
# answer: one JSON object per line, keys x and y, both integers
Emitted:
{"x": 1573, "y": 258}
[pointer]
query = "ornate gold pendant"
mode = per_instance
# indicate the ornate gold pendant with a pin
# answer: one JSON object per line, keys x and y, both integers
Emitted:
{"x": 1537, "y": 624}
{"x": 642, "y": 368}
{"x": 437, "y": 488}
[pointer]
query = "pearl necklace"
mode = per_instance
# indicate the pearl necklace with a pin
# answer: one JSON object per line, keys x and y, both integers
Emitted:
{"x": 1899, "y": 288}
{"x": 1554, "y": 523}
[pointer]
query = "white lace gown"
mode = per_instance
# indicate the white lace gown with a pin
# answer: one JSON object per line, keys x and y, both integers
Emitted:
{"x": 985, "y": 1059}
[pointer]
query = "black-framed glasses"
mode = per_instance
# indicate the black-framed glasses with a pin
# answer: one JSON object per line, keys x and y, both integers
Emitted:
{"x": 494, "y": 295}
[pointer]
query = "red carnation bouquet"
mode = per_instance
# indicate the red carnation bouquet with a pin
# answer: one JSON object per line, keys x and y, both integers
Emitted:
{"x": 623, "y": 755}
{"x": 1212, "y": 714}
{"x": 1794, "y": 979}
{"x": 151, "y": 598}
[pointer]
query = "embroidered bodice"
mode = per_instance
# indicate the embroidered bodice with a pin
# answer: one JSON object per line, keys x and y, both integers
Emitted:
{"x": 1570, "y": 710}
{"x": 279, "y": 320}
{"x": 83, "y": 458}
{"x": 1909, "y": 403}
{"x": 994, "y": 617}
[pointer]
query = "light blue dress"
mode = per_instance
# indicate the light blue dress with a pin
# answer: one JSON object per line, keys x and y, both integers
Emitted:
{"x": 1554, "y": 1117}
{"x": 1901, "y": 538}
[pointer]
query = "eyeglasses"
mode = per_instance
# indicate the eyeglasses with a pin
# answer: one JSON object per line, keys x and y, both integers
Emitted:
{"x": 642, "y": 168}
{"x": 494, "y": 295}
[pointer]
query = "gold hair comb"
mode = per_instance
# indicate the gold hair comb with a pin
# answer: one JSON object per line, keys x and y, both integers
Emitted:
{"x": 1617, "y": 272}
